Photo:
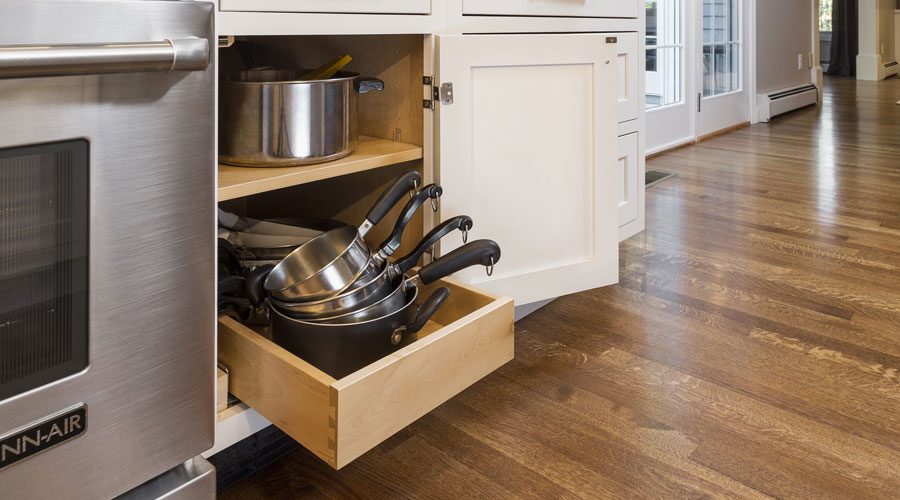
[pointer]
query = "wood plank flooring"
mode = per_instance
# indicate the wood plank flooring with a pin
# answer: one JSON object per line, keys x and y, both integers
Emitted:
{"x": 750, "y": 351}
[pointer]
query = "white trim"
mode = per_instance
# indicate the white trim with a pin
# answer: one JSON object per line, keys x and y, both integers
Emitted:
{"x": 674, "y": 105}
{"x": 671, "y": 145}
{"x": 751, "y": 62}
{"x": 241, "y": 422}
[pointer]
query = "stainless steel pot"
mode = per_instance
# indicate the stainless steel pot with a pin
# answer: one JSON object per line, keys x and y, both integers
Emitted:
{"x": 270, "y": 117}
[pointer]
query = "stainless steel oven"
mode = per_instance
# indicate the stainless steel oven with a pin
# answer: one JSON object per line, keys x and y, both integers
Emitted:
{"x": 106, "y": 246}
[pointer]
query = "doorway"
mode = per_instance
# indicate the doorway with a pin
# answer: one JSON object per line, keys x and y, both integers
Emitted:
{"x": 723, "y": 97}
{"x": 698, "y": 69}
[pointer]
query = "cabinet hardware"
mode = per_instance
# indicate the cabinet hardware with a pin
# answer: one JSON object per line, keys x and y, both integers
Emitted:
{"x": 612, "y": 39}
{"x": 446, "y": 95}
{"x": 442, "y": 94}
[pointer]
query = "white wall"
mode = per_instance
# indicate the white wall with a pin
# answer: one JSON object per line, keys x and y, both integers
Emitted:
{"x": 876, "y": 38}
{"x": 897, "y": 31}
{"x": 886, "y": 29}
{"x": 784, "y": 31}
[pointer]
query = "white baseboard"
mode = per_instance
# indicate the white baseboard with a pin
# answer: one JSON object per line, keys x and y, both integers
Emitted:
{"x": 671, "y": 145}
{"x": 868, "y": 67}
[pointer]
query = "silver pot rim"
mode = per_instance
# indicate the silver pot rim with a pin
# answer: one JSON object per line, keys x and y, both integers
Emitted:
{"x": 341, "y": 76}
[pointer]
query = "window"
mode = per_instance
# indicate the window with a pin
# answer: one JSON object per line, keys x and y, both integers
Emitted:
{"x": 826, "y": 8}
{"x": 721, "y": 47}
{"x": 665, "y": 46}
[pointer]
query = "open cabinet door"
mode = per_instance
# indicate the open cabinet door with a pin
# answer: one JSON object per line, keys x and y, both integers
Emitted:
{"x": 528, "y": 149}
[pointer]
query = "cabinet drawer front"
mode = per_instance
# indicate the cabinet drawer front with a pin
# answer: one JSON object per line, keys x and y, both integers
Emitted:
{"x": 334, "y": 6}
{"x": 629, "y": 62}
{"x": 584, "y": 8}
{"x": 628, "y": 184}
{"x": 339, "y": 420}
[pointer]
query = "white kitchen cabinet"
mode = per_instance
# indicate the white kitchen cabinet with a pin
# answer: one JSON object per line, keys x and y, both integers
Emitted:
{"x": 528, "y": 150}
{"x": 627, "y": 179}
{"x": 329, "y": 6}
{"x": 629, "y": 62}
{"x": 581, "y": 8}
{"x": 542, "y": 146}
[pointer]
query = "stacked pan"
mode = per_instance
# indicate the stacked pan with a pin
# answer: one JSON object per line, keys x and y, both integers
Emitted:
{"x": 340, "y": 305}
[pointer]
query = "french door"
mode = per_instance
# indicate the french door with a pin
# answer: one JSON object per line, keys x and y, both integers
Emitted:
{"x": 669, "y": 82}
{"x": 697, "y": 70}
{"x": 722, "y": 94}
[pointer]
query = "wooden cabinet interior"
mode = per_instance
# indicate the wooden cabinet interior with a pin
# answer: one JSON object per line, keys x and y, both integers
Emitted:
{"x": 346, "y": 198}
{"x": 327, "y": 190}
{"x": 394, "y": 114}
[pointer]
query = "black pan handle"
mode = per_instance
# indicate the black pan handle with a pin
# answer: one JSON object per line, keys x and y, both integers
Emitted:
{"x": 229, "y": 257}
{"x": 256, "y": 292}
{"x": 392, "y": 243}
{"x": 366, "y": 84}
{"x": 230, "y": 284}
{"x": 404, "y": 184}
{"x": 484, "y": 252}
{"x": 427, "y": 310}
{"x": 462, "y": 222}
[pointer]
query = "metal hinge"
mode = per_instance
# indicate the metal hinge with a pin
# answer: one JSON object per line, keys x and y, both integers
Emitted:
{"x": 442, "y": 94}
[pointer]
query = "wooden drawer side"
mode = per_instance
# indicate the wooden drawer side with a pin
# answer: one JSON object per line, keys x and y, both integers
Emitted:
{"x": 376, "y": 402}
{"x": 289, "y": 392}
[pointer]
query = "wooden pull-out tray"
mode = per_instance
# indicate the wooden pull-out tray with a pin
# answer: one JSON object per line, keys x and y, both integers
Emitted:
{"x": 339, "y": 420}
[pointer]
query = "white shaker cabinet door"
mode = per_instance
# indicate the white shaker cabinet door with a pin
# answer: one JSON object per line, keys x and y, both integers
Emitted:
{"x": 629, "y": 188}
{"x": 528, "y": 149}
{"x": 629, "y": 62}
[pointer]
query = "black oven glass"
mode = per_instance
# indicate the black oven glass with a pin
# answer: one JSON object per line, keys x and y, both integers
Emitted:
{"x": 43, "y": 264}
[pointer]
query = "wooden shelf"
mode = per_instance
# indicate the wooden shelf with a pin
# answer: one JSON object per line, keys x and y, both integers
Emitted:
{"x": 236, "y": 182}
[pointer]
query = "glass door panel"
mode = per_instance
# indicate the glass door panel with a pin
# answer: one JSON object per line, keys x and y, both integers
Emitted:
{"x": 665, "y": 46}
{"x": 722, "y": 100}
{"x": 721, "y": 47}
{"x": 669, "y": 74}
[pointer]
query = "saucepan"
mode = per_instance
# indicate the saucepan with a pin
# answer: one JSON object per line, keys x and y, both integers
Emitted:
{"x": 272, "y": 117}
{"x": 342, "y": 348}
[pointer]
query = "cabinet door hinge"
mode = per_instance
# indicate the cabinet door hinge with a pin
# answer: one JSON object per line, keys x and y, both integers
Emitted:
{"x": 442, "y": 94}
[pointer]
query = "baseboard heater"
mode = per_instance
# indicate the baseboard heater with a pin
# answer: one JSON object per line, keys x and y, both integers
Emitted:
{"x": 891, "y": 68}
{"x": 780, "y": 102}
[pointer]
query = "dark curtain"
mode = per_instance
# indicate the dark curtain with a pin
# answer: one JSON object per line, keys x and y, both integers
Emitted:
{"x": 844, "y": 38}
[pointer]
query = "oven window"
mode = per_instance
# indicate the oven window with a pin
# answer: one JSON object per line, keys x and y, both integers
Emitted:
{"x": 43, "y": 264}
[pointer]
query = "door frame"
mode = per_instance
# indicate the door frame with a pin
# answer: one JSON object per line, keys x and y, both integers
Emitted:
{"x": 747, "y": 40}
{"x": 688, "y": 27}
{"x": 692, "y": 84}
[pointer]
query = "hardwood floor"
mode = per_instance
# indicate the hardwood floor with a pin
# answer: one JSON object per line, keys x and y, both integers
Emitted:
{"x": 751, "y": 349}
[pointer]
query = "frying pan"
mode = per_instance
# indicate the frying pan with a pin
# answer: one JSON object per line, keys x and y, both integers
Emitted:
{"x": 483, "y": 252}
{"x": 390, "y": 245}
{"x": 378, "y": 286}
{"x": 330, "y": 262}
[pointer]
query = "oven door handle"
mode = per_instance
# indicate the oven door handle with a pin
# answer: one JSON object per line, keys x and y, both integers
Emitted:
{"x": 27, "y": 61}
